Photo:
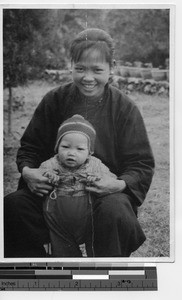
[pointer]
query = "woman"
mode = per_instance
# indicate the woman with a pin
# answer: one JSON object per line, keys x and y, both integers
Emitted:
{"x": 121, "y": 144}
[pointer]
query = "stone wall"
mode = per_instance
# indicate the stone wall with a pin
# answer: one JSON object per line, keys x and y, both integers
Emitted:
{"x": 128, "y": 79}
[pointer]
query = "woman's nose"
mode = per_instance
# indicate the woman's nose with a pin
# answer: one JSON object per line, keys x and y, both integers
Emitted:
{"x": 88, "y": 76}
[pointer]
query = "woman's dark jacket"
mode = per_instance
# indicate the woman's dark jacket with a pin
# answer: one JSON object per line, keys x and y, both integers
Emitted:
{"x": 122, "y": 143}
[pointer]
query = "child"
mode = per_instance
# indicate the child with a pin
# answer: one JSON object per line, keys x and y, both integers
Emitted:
{"x": 68, "y": 209}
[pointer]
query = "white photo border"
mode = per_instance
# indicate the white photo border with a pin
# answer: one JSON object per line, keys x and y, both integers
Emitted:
{"x": 106, "y": 261}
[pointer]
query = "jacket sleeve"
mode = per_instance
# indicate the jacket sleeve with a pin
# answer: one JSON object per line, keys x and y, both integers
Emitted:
{"x": 135, "y": 154}
{"x": 38, "y": 140}
{"x": 50, "y": 165}
{"x": 104, "y": 171}
{"x": 99, "y": 169}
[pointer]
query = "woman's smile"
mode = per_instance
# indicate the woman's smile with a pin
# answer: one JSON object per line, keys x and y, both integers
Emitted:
{"x": 88, "y": 86}
{"x": 91, "y": 73}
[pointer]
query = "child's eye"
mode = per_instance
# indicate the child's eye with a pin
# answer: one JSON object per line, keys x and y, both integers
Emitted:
{"x": 81, "y": 149}
{"x": 64, "y": 146}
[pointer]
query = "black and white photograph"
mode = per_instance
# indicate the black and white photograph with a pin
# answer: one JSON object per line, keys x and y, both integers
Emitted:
{"x": 88, "y": 155}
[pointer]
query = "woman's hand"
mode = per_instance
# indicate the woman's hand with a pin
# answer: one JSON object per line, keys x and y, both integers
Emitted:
{"x": 37, "y": 183}
{"x": 106, "y": 185}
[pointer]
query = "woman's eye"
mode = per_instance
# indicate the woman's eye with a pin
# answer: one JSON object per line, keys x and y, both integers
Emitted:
{"x": 98, "y": 70}
{"x": 79, "y": 69}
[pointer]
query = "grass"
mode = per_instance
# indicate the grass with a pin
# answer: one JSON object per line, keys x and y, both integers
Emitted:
{"x": 154, "y": 213}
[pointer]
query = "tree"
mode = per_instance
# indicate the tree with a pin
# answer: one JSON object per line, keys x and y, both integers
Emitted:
{"x": 140, "y": 34}
{"x": 19, "y": 28}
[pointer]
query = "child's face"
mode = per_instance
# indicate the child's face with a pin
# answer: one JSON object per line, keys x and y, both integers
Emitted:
{"x": 73, "y": 150}
{"x": 91, "y": 73}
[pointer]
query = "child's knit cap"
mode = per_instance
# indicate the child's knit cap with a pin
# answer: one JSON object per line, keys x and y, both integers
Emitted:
{"x": 77, "y": 124}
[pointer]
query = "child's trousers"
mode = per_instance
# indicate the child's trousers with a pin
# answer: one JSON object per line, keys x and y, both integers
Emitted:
{"x": 70, "y": 221}
{"x": 117, "y": 231}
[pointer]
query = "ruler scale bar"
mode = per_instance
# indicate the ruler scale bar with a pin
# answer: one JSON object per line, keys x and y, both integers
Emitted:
{"x": 84, "y": 284}
{"x": 127, "y": 272}
{"x": 86, "y": 277}
{"x": 90, "y": 272}
{"x": 67, "y": 277}
{"x": 53, "y": 272}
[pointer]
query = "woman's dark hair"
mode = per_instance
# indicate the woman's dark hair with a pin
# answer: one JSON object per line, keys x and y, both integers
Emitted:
{"x": 95, "y": 39}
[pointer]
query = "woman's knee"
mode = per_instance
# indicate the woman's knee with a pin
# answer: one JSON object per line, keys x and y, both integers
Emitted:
{"x": 115, "y": 205}
{"x": 18, "y": 201}
{"x": 11, "y": 202}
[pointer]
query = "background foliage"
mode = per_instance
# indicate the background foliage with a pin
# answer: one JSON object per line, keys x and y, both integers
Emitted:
{"x": 38, "y": 39}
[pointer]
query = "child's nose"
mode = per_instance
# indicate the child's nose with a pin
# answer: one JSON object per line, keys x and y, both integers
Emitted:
{"x": 71, "y": 152}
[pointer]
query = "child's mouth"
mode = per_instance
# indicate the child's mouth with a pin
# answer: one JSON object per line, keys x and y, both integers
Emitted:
{"x": 71, "y": 160}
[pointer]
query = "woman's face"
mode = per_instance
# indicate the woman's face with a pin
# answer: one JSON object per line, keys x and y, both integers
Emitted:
{"x": 91, "y": 73}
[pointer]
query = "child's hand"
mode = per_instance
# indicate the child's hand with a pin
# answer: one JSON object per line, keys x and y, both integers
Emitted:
{"x": 53, "y": 178}
{"x": 89, "y": 178}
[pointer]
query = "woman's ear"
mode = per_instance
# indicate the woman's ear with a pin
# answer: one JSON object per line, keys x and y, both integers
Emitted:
{"x": 71, "y": 67}
{"x": 112, "y": 71}
{"x": 113, "y": 67}
{"x": 111, "y": 74}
